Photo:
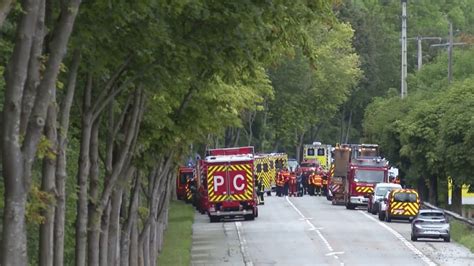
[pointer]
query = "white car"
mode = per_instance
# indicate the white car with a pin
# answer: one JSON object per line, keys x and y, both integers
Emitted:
{"x": 379, "y": 192}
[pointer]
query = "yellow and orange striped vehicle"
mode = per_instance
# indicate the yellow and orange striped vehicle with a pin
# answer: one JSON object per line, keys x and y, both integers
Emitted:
{"x": 402, "y": 204}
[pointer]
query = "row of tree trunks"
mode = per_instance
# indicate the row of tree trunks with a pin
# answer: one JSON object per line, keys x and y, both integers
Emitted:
{"x": 22, "y": 131}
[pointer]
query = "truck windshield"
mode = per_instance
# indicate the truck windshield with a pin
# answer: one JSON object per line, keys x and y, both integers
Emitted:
{"x": 369, "y": 176}
{"x": 184, "y": 177}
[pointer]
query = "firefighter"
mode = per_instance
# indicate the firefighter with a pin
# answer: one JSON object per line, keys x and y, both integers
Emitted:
{"x": 318, "y": 183}
{"x": 279, "y": 184}
{"x": 310, "y": 183}
{"x": 260, "y": 190}
{"x": 325, "y": 184}
{"x": 286, "y": 180}
{"x": 292, "y": 185}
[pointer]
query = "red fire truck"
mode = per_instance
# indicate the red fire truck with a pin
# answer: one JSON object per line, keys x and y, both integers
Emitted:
{"x": 230, "y": 183}
{"x": 358, "y": 168}
{"x": 184, "y": 174}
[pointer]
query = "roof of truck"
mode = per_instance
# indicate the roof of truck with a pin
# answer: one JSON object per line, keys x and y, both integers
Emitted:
{"x": 229, "y": 158}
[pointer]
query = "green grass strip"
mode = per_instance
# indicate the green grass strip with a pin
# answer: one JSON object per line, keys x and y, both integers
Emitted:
{"x": 462, "y": 234}
{"x": 178, "y": 236}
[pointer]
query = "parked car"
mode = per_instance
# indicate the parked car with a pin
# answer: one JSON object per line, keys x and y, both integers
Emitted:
{"x": 430, "y": 224}
{"x": 377, "y": 196}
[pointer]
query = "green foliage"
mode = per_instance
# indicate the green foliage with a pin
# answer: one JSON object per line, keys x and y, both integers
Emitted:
{"x": 462, "y": 234}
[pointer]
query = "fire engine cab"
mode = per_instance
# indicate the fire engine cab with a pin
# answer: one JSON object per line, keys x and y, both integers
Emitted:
{"x": 230, "y": 183}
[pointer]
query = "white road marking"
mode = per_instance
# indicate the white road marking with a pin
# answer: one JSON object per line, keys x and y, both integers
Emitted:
{"x": 247, "y": 261}
{"x": 403, "y": 240}
{"x": 335, "y": 253}
{"x": 314, "y": 228}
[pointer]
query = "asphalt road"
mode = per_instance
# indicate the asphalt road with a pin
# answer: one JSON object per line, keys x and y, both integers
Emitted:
{"x": 311, "y": 231}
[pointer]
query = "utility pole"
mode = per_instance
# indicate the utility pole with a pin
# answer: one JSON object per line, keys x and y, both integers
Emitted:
{"x": 450, "y": 45}
{"x": 420, "y": 48}
{"x": 404, "y": 49}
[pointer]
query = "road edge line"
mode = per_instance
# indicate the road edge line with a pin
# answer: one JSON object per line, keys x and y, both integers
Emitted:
{"x": 409, "y": 245}
{"x": 243, "y": 250}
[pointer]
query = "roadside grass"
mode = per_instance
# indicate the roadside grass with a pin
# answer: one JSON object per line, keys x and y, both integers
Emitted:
{"x": 178, "y": 236}
{"x": 462, "y": 234}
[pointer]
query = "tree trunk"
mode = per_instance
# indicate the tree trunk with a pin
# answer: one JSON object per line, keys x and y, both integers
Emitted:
{"x": 144, "y": 246}
{"x": 5, "y": 7}
{"x": 346, "y": 140}
{"x": 433, "y": 190}
{"x": 456, "y": 200}
{"x": 129, "y": 235}
{"x": 113, "y": 255}
{"x": 48, "y": 185}
{"x": 94, "y": 219}
{"x": 33, "y": 79}
{"x": 82, "y": 177}
{"x": 61, "y": 172}
{"x": 135, "y": 256}
{"x": 14, "y": 251}
{"x": 104, "y": 236}
{"x": 48, "y": 84}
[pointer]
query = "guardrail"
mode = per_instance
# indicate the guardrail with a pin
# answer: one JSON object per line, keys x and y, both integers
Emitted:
{"x": 451, "y": 214}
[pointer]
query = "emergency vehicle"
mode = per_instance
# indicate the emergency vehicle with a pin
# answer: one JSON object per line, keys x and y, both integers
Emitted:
{"x": 280, "y": 162}
{"x": 202, "y": 200}
{"x": 319, "y": 152}
{"x": 265, "y": 171}
{"x": 400, "y": 204}
{"x": 184, "y": 174}
{"x": 363, "y": 170}
{"x": 230, "y": 183}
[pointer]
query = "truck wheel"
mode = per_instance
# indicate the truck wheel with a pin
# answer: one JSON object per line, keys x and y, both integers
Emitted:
{"x": 249, "y": 217}
{"x": 269, "y": 193}
{"x": 215, "y": 219}
{"x": 381, "y": 216}
{"x": 447, "y": 239}
{"x": 414, "y": 238}
{"x": 373, "y": 209}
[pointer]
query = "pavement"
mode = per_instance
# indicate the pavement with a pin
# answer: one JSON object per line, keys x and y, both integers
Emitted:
{"x": 311, "y": 231}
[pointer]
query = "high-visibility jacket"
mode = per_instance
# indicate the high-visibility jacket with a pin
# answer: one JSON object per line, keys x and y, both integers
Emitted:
{"x": 325, "y": 182}
{"x": 292, "y": 179}
{"x": 317, "y": 180}
{"x": 280, "y": 181}
{"x": 286, "y": 176}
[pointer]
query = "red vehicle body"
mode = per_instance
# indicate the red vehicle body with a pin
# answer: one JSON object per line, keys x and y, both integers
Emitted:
{"x": 230, "y": 183}
{"x": 365, "y": 170}
{"x": 308, "y": 166}
{"x": 184, "y": 174}
{"x": 202, "y": 200}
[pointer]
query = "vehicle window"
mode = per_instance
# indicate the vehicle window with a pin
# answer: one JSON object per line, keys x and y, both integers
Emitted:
{"x": 310, "y": 151}
{"x": 184, "y": 177}
{"x": 404, "y": 197}
{"x": 369, "y": 176}
{"x": 432, "y": 214}
{"x": 265, "y": 167}
{"x": 279, "y": 164}
{"x": 383, "y": 190}
{"x": 321, "y": 152}
{"x": 309, "y": 165}
{"x": 259, "y": 168}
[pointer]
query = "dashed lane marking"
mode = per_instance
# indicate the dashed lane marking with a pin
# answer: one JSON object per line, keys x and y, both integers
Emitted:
{"x": 314, "y": 228}
{"x": 409, "y": 245}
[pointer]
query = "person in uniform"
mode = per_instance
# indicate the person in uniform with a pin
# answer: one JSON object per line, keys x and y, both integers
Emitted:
{"x": 260, "y": 190}
{"x": 292, "y": 185}
{"x": 310, "y": 183}
{"x": 286, "y": 180}
{"x": 279, "y": 184}
{"x": 318, "y": 183}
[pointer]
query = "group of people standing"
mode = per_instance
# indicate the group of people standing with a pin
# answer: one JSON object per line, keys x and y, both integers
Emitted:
{"x": 289, "y": 184}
